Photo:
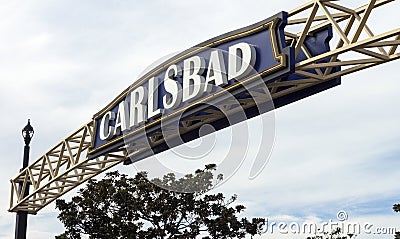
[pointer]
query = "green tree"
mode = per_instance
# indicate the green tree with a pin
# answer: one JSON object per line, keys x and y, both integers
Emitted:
{"x": 122, "y": 207}
{"x": 336, "y": 234}
{"x": 396, "y": 208}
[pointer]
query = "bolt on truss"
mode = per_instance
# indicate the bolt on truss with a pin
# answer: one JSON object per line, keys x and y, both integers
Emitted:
{"x": 354, "y": 51}
{"x": 59, "y": 170}
{"x": 67, "y": 165}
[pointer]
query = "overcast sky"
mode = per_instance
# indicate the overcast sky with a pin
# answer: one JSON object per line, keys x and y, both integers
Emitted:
{"x": 62, "y": 61}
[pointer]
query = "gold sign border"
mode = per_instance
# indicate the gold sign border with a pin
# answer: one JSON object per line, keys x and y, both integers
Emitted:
{"x": 281, "y": 58}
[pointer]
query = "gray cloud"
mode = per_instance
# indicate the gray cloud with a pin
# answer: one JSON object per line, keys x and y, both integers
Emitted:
{"x": 61, "y": 62}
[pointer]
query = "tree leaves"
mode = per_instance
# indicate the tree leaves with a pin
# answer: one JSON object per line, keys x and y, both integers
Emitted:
{"x": 396, "y": 207}
{"x": 122, "y": 207}
{"x": 335, "y": 234}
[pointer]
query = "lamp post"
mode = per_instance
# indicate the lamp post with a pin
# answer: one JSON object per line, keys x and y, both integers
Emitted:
{"x": 22, "y": 216}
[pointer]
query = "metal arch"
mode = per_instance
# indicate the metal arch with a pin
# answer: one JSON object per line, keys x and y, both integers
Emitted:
{"x": 59, "y": 170}
{"x": 67, "y": 165}
{"x": 369, "y": 51}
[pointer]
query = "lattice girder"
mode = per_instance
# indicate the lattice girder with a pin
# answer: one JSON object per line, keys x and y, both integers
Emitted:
{"x": 67, "y": 165}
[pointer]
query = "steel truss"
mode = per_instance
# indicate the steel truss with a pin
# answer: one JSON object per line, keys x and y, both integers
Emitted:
{"x": 355, "y": 53}
{"x": 67, "y": 165}
{"x": 59, "y": 170}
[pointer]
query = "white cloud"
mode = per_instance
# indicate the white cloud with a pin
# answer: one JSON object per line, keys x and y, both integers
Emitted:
{"x": 61, "y": 62}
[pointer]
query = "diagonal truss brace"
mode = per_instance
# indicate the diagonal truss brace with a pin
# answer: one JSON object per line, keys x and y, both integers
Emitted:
{"x": 357, "y": 46}
{"x": 66, "y": 166}
{"x": 59, "y": 170}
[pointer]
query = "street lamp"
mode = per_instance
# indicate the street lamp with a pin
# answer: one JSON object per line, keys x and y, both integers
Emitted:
{"x": 22, "y": 216}
{"x": 27, "y": 132}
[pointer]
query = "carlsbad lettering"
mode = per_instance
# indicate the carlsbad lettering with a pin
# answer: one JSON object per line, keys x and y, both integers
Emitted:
{"x": 197, "y": 79}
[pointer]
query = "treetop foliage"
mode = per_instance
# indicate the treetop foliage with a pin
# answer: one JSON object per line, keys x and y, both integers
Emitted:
{"x": 122, "y": 207}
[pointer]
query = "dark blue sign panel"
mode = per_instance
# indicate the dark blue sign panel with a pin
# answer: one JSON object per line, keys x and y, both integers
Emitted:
{"x": 260, "y": 46}
{"x": 203, "y": 73}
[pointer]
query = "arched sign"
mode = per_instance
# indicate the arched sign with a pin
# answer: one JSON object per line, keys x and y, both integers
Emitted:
{"x": 250, "y": 71}
{"x": 204, "y": 74}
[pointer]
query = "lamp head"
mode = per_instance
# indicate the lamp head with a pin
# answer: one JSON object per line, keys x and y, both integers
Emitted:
{"x": 27, "y": 133}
